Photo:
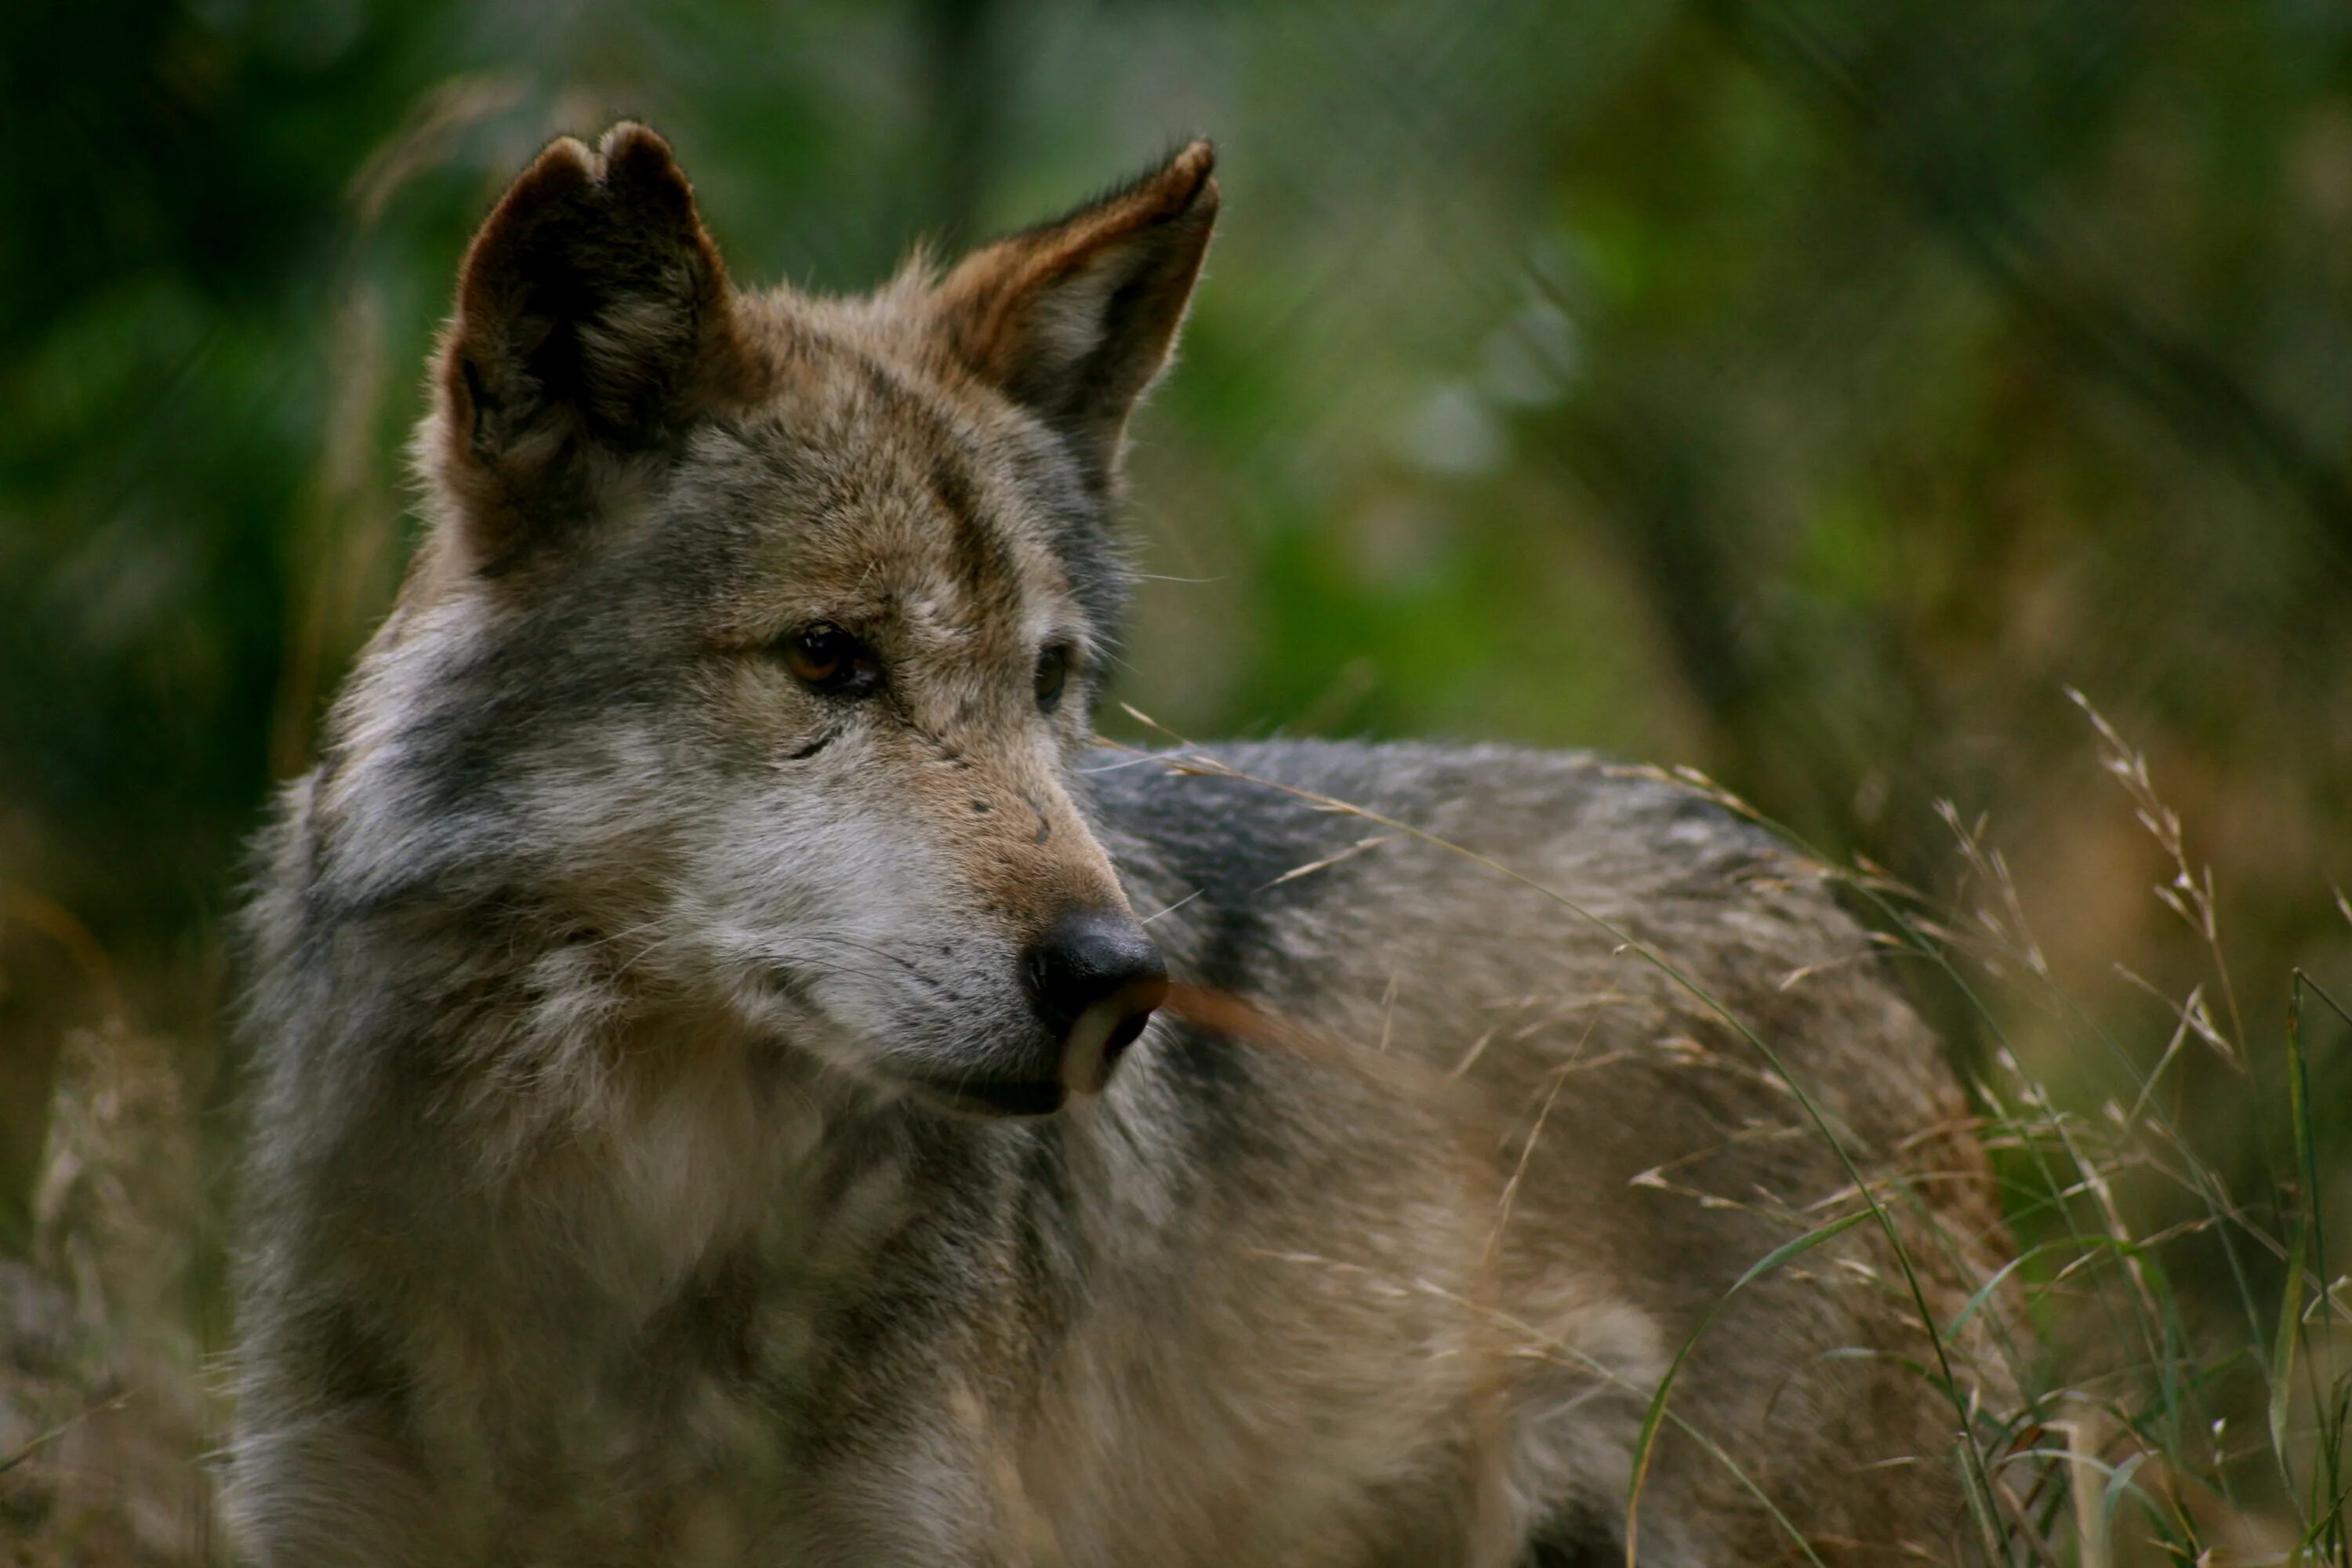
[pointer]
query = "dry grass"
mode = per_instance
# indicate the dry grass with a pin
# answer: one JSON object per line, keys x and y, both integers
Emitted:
{"x": 104, "y": 1419}
{"x": 2186, "y": 1400}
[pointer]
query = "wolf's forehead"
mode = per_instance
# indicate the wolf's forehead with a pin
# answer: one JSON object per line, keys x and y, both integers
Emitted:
{"x": 856, "y": 492}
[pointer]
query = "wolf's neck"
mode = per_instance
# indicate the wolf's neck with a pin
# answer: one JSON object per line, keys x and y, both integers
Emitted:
{"x": 649, "y": 1153}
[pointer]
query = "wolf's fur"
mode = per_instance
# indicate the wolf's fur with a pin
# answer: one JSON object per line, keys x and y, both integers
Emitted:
{"x": 604, "y": 1207}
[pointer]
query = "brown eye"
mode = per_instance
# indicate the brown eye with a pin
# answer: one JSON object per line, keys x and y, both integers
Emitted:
{"x": 1053, "y": 674}
{"x": 827, "y": 659}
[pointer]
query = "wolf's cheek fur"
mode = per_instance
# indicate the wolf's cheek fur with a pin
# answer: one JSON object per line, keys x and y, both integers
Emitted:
{"x": 826, "y": 923}
{"x": 832, "y": 903}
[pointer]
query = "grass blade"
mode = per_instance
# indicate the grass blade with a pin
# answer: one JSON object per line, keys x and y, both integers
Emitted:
{"x": 1657, "y": 1411}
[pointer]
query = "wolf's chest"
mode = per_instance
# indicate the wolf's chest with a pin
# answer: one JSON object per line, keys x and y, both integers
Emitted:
{"x": 664, "y": 1400}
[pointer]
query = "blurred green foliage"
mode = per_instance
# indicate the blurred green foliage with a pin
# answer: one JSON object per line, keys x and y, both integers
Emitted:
{"x": 1803, "y": 389}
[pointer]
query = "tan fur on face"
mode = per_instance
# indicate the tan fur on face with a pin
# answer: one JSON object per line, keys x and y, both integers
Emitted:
{"x": 917, "y": 538}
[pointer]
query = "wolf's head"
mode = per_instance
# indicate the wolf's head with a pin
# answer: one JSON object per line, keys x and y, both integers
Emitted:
{"x": 754, "y": 640}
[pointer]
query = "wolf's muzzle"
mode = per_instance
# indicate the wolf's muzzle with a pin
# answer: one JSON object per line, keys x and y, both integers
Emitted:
{"x": 1094, "y": 978}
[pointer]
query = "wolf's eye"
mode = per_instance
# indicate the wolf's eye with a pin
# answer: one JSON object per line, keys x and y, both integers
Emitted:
{"x": 1053, "y": 674}
{"x": 830, "y": 660}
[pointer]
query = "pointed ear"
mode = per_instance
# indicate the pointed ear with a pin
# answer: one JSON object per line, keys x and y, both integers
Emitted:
{"x": 593, "y": 321}
{"x": 1074, "y": 319}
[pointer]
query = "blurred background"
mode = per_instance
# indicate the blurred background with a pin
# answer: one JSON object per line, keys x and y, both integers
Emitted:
{"x": 1807, "y": 391}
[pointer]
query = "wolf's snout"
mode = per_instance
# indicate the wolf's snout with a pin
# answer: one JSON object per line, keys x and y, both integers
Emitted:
{"x": 1095, "y": 978}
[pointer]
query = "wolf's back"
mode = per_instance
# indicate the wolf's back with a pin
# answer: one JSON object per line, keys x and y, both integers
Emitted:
{"x": 1631, "y": 997}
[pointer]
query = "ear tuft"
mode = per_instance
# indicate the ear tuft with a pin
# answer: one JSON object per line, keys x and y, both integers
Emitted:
{"x": 593, "y": 321}
{"x": 1075, "y": 319}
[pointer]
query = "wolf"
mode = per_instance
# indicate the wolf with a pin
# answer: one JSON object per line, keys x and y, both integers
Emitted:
{"x": 743, "y": 1077}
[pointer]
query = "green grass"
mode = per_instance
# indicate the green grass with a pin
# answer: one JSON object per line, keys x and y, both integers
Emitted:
{"x": 2161, "y": 1419}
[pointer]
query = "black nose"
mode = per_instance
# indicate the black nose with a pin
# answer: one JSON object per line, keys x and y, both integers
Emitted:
{"x": 1095, "y": 976}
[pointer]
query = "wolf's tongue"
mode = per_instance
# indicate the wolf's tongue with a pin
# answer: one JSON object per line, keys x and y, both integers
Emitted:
{"x": 1085, "y": 1056}
{"x": 1104, "y": 1031}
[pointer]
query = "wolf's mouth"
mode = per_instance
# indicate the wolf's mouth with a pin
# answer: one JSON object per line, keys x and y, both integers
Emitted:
{"x": 997, "y": 1097}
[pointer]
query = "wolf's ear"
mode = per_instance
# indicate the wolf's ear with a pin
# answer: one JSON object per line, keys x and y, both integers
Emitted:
{"x": 593, "y": 320}
{"x": 1074, "y": 319}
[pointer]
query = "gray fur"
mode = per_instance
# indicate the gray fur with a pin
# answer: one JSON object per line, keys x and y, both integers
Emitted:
{"x": 601, "y": 1206}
